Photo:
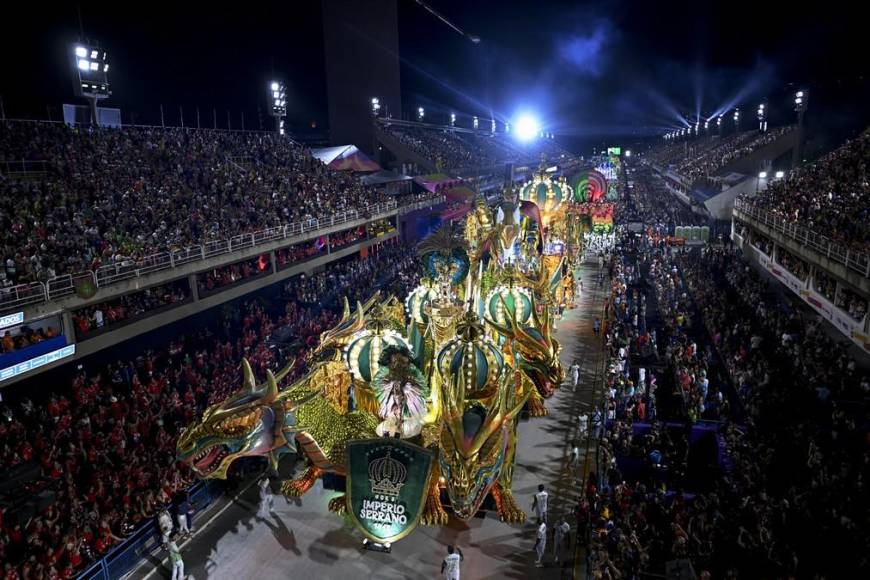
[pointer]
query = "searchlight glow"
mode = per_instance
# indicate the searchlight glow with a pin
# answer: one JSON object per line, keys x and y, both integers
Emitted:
{"x": 527, "y": 128}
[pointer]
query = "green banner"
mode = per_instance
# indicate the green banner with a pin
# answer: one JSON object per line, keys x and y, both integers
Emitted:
{"x": 386, "y": 486}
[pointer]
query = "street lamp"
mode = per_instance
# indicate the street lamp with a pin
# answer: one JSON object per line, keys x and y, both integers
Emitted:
{"x": 761, "y": 175}
{"x": 376, "y": 106}
{"x": 420, "y": 114}
{"x": 800, "y": 106}
{"x": 90, "y": 68}
{"x": 762, "y": 117}
{"x": 278, "y": 97}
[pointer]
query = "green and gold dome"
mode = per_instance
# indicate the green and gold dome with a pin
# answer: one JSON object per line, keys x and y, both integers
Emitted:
{"x": 471, "y": 359}
{"x": 418, "y": 299}
{"x": 508, "y": 299}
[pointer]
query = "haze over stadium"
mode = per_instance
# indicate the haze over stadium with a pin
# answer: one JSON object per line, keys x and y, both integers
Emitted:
{"x": 407, "y": 288}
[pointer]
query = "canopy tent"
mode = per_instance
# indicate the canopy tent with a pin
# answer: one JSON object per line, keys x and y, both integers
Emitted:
{"x": 345, "y": 158}
{"x": 383, "y": 177}
{"x": 436, "y": 182}
{"x": 458, "y": 202}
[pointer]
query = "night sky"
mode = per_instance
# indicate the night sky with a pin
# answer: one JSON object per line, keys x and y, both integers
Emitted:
{"x": 591, "y": 71}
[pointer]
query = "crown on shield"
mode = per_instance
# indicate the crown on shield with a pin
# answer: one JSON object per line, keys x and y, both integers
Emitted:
{"x": 387, "y": 476}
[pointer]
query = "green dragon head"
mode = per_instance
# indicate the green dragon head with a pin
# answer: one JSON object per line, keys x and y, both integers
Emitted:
{"x": 474, "y": 442}
{"x": 537, "y": 352}
{"x": 252, "y": 422}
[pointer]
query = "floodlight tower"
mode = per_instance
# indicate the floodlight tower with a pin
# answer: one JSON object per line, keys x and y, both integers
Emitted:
{"x": 737, "y": 120}
{"x": 719, "y": 125}
{"x": 452, "y": 119}
{"x": 474, "y": 123}
{"x": 492, "y": 126}
{"x": 762, "y": 117}
{"x": 90, "y": 66}
{"x": 801, "y": 99}
{"x": 707, "y": 127}
{"x": 421, "y": 113}
{"x": 278, "y": 98}
{"x": 376, "y": 107}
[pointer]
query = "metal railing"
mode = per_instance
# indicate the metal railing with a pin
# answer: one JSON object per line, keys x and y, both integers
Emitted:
{"x": 65, "y": 285}
{"x": 858, "y": 262}
{"x": 145, "y": 540}
{"x": 23, "y": 167}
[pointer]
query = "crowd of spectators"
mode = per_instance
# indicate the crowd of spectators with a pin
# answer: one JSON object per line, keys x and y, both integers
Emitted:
{"x": 697, "y": 157}
{"x": 830, "y": 196}
{"x": 799, "y": 268}
{"x": 455, "y": 150}
{"x": 223, "y": 276}
{"x": 129, "y": 307}
{"x": 116, "y": 195}
{"x": 105, "y": 443}
{"x": 659, "y": 206}
{"x": 24, "y": 337}
{"x": 787, "y": 497}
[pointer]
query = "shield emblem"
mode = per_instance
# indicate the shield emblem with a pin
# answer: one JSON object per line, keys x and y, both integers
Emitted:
{"x": 386, "y": 486}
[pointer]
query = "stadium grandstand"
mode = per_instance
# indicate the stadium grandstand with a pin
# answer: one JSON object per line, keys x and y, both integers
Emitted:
{"x": 588, "y": 326}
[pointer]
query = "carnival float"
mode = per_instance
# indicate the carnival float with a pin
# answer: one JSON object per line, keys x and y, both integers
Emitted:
{"x": 406, "y": 397}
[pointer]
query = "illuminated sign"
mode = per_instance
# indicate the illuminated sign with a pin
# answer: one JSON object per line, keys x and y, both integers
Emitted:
{"x": 614, "y": 151}
{"x": 37, "y": 362}
{"x": 11, "y": 319}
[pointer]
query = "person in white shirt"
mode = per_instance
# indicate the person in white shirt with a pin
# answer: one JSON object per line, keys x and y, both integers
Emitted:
{"x": 539, "y": 504}
{"x": 574, "y": 456}
{"x": 266, "y": 498}
{"x": 583, "y": 424}
{"x": 560, "y": 537}
{"x": 450, "y": 565}
{"x": 541, "y": 544}
{"x": 575, "y": 374}
{"x": 164, "y": 522}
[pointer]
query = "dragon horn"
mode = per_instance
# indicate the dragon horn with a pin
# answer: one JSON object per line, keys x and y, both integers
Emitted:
{"x": 285, "y": 371}
{"x": 345, "y": 312}
{"x": 271, "y": 388}
{"x": 248, "y": 379}
{"x": 503, "y": 330}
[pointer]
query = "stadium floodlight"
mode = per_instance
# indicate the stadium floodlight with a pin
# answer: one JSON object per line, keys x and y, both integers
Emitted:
{"x": 452, "y": 119}
{"x": 376, "y": 106}
{"x": 507, "y": 127}
{"x": 528, "y": 128}
{"x": 706, "y": 124}
{"x": 762, "y": 175}
{"x": 800, "y": 101}
{"x": 278, "y": 98}
{"x": 90, "y": 74}
{"x": 719, "y": 121}
{"x": 736, "y": 115}
{"x": 628, "y": 152}
{"x": 474, "y": 122}
{"x": 779, "y": 174}
{"x": 492, "y": 125}
{"x": 421, "y": 112}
